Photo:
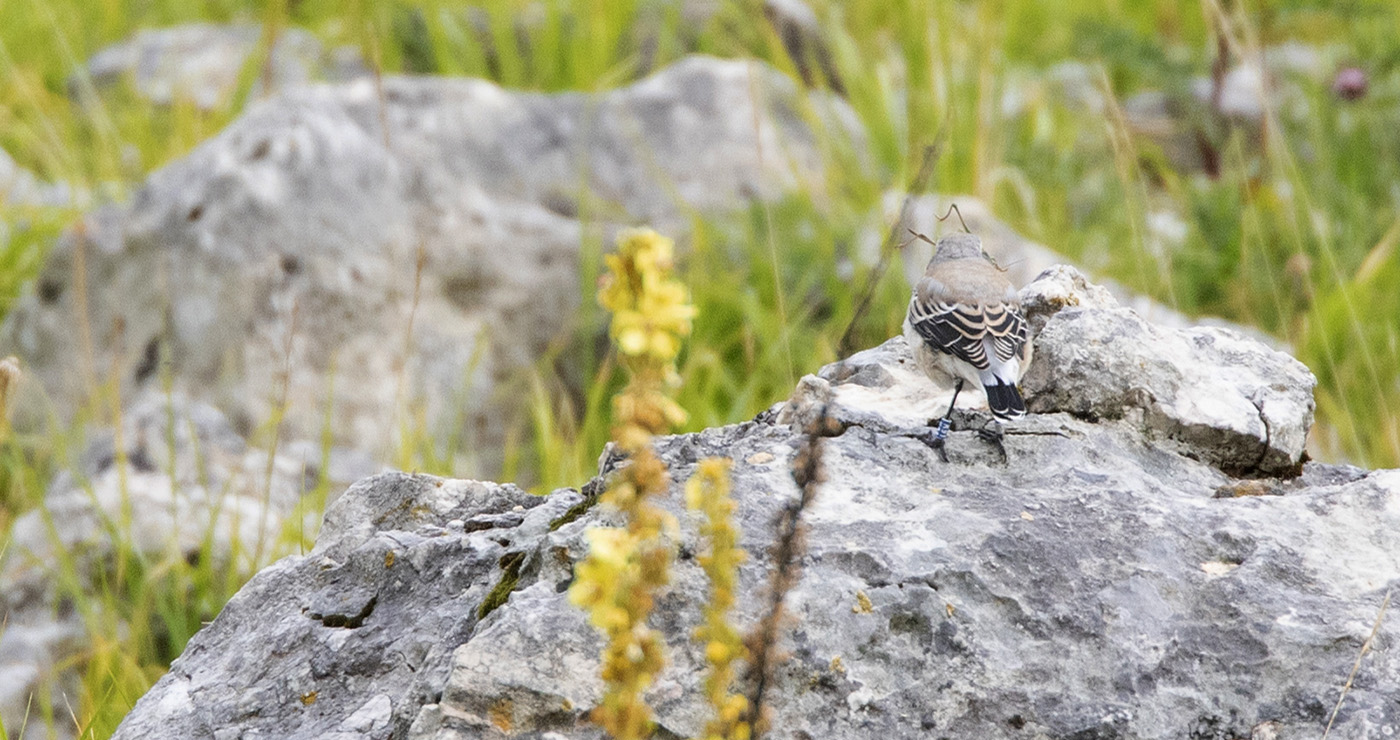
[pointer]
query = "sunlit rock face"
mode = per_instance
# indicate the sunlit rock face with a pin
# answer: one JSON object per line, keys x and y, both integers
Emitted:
{"x": 1110, "y": 577}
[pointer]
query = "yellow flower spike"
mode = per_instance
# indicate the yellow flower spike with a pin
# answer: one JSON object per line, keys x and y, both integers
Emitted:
{"x": 674, "y": 413}
{"x": 663, "y": 346}
{"x": 708, "y": 492}
{"x": 619, "y": 579}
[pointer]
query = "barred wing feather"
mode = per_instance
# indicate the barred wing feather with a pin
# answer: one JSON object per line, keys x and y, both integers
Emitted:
{"x": 961, "y": 329}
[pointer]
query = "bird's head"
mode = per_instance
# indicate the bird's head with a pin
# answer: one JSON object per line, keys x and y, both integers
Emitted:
{"x": 958, "y": 247}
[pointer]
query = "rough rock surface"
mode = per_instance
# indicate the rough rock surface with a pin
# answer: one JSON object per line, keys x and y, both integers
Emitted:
{"x": 359, "y": 633}
{"x": 203, "y": 62}
{"x": 335, "y": 253}
{"x": 1094, "y": 584}
{"x": 1225, "y": 398}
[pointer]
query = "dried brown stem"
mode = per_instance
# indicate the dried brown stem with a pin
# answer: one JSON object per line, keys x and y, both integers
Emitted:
{"x": 789, "y": 546}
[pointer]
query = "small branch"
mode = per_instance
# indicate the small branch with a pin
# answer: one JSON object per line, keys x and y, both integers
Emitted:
{"x": 952, "y": 208}
{"x": 1029, "y": 433}
{"x": 787, "y": 551}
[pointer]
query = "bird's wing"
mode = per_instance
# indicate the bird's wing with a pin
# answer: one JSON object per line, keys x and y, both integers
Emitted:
{"x": 961, "y": 328}
{"x": 1007, "y": 327}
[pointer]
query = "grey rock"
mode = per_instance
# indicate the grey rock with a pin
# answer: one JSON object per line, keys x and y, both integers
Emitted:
{"x": 30, "y": 648}
{"x": 1225, "y": 398}
{"x": 1058, "y": 288}
{"x": 313, "y": 265}
{"x": 879, "y": 389}
{"x": 1093, "y": 584}
{"x": 338, "y": 254}
{"x": 1210, "y": 393}
{"x": 202, "y": 63}
{"x": 271, "y": 666}
{"x": 177, "y": 485}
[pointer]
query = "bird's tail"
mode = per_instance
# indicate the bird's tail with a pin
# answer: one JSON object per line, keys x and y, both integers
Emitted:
{"x": 1004, "y": 398}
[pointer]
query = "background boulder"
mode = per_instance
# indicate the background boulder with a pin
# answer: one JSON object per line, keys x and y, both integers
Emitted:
{"x": 356, "y": 260}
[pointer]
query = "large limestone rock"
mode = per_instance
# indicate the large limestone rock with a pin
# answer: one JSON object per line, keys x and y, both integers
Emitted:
{"x": 1100, "y": 582}
{"x": 391, "y": 259}
{"x": 395, "y": 583}
{"x": 1223, "y": 397}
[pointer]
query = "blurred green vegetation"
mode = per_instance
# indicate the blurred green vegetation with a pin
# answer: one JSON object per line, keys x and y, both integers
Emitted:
{"x": 1293, "y": 231}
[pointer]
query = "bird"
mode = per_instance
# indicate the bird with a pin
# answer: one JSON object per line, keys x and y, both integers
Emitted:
{"x": 965, "y": 324}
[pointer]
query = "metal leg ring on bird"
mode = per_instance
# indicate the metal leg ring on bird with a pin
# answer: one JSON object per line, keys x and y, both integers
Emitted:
{"x": 938, "y": 442}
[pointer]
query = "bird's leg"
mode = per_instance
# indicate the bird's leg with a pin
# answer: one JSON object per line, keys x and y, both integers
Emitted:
{"x": 939, "y": 437}
{"x": 993, "y": 433}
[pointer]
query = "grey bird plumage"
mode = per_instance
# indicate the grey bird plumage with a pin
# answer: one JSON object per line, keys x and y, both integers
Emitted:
{"x": 965, "y": 321}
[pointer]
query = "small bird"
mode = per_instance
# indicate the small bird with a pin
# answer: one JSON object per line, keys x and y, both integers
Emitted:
{"x": 965, "y": 324}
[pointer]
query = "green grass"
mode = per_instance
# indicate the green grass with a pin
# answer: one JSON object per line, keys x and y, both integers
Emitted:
{"x": 1299, "y": 236}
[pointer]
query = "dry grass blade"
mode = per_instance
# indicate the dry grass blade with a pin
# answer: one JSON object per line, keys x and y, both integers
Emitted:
{"x": 1365, "y": 647}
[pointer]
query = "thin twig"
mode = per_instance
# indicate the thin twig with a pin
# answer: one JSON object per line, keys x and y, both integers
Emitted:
{"x": 890, "y": 246}
{"x": 916, "y": 236}
{"x": 1365, "y": 647}
{"x": 952, "y": 208}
